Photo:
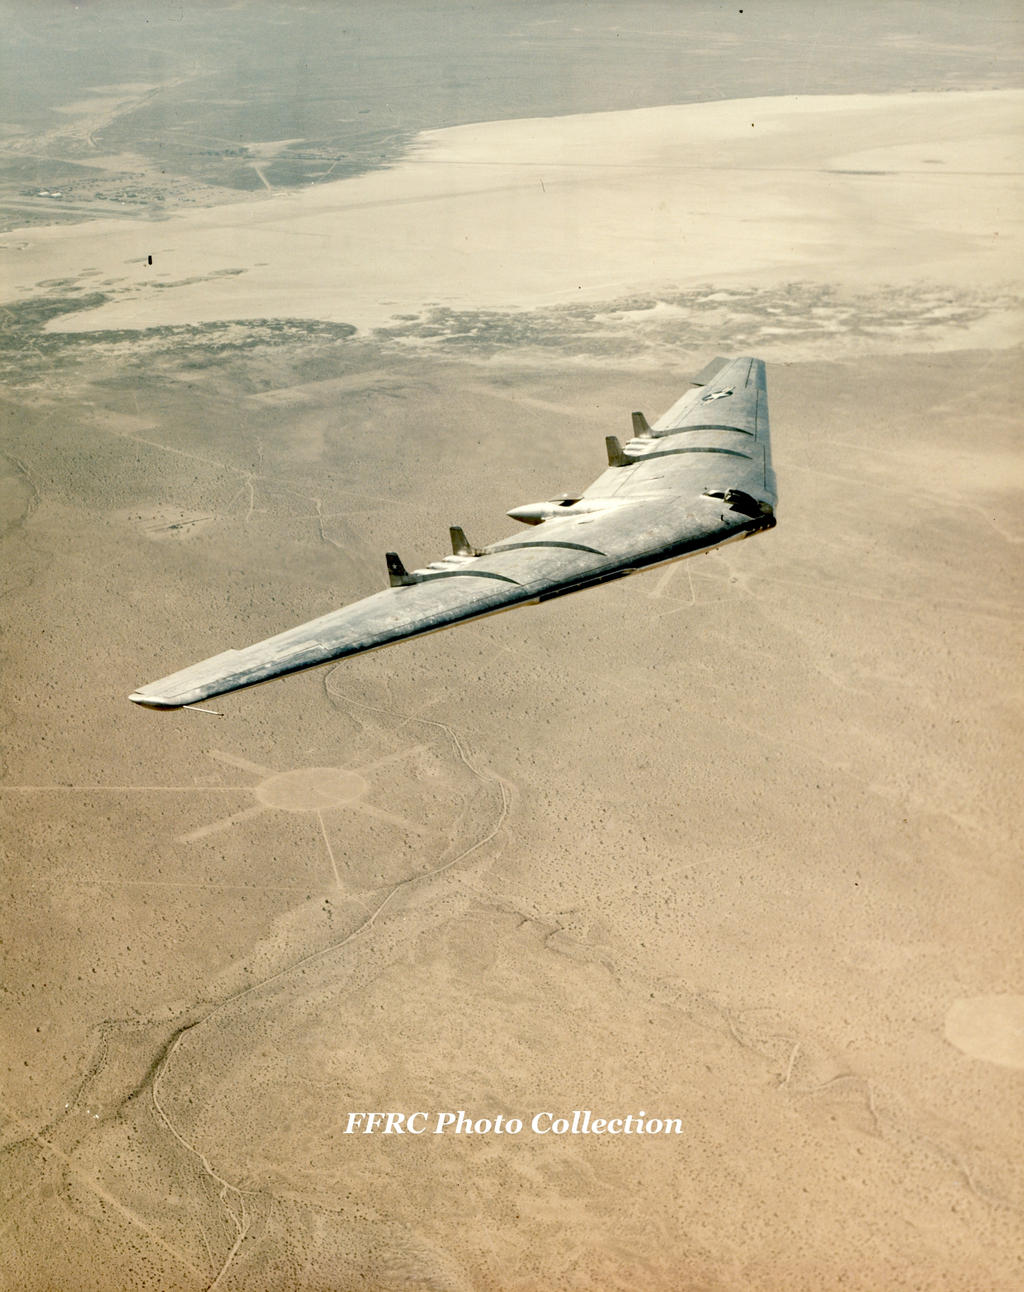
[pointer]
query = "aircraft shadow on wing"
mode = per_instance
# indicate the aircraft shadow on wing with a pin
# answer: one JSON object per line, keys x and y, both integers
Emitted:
{"x": 698, "y": 478}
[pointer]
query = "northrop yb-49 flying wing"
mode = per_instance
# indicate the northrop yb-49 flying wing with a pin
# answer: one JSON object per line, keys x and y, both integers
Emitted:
{"x": 699, "y": 477}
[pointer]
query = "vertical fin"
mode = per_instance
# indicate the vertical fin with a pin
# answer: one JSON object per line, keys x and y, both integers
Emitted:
{"x": 461, "y": 545}
{"x": 616, "y": 457}
{"x": 641, "y": 427}
{"x": 398, "y": 575}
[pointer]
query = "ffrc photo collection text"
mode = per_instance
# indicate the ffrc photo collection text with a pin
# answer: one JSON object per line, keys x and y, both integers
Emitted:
{"x": 578, "y": 1122}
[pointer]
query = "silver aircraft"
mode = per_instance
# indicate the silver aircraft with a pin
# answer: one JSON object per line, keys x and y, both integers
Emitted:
{"x": 698, "y": 478}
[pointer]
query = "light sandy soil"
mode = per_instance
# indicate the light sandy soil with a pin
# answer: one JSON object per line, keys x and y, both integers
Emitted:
{"x": 736, "y": 842}
{"x": 875, "y": 187}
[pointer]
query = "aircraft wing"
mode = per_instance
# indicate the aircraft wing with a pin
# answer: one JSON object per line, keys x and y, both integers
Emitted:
{"x": 697, "y": 478}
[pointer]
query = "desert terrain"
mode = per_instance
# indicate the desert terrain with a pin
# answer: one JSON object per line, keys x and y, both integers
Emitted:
{"x": 735, "y": 842}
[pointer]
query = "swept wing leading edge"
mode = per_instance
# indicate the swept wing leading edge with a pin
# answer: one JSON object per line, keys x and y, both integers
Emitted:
{"x": 697, "y": 478}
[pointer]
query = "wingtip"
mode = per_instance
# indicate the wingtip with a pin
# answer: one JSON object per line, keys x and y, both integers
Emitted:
{"x": 152, "y": 701}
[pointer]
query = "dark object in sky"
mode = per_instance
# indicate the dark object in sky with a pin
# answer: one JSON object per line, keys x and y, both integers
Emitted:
{"x": 700, "y": 477}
